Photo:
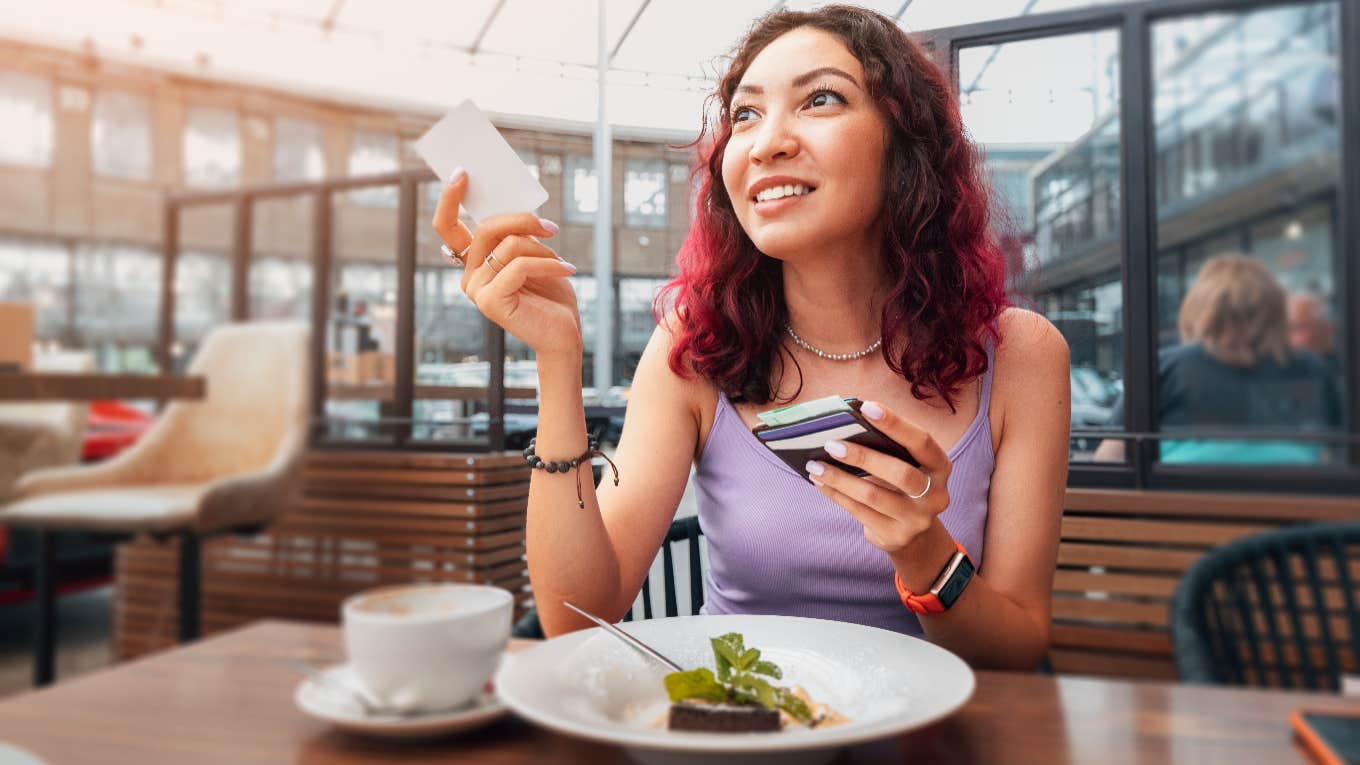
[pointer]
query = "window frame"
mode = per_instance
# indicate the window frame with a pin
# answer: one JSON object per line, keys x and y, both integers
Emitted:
{"x": 1138, "y": 194}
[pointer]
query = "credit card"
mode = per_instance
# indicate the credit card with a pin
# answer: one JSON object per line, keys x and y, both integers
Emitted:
{"x": 795, "y": 412}
{"x": 498, "y": 180}
{"x": 810, "y": 426}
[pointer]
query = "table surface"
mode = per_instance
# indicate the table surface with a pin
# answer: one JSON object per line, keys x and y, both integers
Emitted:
{"x": 229, "y": 699}
{"x": 67, "y": 386}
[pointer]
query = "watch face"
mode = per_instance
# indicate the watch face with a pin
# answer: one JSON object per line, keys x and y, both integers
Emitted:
{"x": 953, "y": 588}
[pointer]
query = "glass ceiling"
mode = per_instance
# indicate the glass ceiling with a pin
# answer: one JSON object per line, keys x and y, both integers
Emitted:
{"x": 527, "y": 61}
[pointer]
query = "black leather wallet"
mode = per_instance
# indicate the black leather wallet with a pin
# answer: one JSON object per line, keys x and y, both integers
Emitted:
{"x": 797, "y": 442}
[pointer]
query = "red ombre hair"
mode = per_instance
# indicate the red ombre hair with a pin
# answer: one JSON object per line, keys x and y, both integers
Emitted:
{"x": 948, "y": 272}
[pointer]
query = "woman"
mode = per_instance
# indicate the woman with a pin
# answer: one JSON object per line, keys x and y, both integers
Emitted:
{"x": 1235, "y": 370}
{"x": 877, "y": 252}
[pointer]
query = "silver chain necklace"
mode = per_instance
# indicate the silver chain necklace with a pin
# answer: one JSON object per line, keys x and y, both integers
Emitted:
{"x": 832, "y": 356}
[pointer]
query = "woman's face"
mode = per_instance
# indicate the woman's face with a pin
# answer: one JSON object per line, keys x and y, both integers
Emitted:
{"x": 802, "y": 121}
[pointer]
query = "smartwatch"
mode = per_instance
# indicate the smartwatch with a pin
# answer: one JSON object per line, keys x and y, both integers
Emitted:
{"x": 948, "y": 586}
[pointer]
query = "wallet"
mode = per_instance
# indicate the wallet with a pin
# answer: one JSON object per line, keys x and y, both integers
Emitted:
{"x": 797, "y": 442}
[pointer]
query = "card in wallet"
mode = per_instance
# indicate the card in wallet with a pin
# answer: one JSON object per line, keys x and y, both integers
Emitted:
{"x": 797, "y": 440}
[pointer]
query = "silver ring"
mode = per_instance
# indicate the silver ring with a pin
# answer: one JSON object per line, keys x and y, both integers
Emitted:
{"x": 498, "y": 266}
{"x": 924, "y": 491}
{"x": 455, "y": 257}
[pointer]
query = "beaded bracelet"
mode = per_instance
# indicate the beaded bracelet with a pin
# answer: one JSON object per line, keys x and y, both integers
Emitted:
{"x": 562, "y": 466}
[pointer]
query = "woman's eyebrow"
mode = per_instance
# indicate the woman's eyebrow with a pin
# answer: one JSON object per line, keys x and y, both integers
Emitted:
{"x": 803, "y": 79}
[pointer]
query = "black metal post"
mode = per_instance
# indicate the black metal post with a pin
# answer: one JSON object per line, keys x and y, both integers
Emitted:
{"x": 189, "y": 586}
{"x": 45, "y": 610}
{"x": 169, "y": 254}
{"x": 495, "y": 386}
{"x": 321, "y": 296}
{"x": 242, "y": 233}
{"x": 1140, "y": 219}
{"x": 1348, "y": 286}
{"x": 405, "y": 383}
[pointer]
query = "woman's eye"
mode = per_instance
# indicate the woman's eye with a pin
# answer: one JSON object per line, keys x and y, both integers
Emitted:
{"x": 825, "y": 98}
{"x": 742, "y": 114}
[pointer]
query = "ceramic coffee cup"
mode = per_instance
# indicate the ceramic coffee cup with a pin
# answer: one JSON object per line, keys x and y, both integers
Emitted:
{"x": 426, "y": 647}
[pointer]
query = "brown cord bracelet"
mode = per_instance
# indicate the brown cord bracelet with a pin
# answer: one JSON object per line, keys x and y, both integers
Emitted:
{"x": 562, "y": 466}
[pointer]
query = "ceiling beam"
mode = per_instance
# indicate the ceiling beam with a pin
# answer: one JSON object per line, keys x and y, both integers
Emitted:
{"x": 486, "y": 27}
{"x": 628, "y": 30}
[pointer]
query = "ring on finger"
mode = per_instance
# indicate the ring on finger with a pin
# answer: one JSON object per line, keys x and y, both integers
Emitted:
{"x": 455, "y": 257}
{"x": 495, "y": 264}
{"x": 924, "y": 491}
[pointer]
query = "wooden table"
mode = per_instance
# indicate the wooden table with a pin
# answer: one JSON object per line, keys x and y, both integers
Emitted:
{"x": 57, "y": 386}
{"x": 228, "y": 699}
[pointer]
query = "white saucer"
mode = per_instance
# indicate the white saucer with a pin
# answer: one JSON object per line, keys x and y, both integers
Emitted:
{"x": 323, "y": 699}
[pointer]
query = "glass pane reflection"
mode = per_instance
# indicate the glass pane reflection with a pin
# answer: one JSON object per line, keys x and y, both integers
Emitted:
{"x": 1046, "y": 115}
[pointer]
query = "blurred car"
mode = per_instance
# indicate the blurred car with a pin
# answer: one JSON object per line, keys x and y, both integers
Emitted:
{"x": 111, "y": 427}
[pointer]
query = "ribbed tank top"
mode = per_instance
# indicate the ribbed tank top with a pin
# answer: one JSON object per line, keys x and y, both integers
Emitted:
{"x": 777, "y": 546}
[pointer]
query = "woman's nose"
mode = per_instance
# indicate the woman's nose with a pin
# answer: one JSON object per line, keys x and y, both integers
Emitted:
{"x": 775, "y": 140}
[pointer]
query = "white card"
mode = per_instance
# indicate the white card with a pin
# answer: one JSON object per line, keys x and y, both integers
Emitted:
{"x": 498, "y": 180}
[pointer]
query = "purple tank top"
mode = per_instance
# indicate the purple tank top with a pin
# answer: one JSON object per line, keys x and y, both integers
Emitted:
{"x": 777, "y": 546}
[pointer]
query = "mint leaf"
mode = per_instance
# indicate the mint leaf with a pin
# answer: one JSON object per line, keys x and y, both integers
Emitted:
{"x": 727, "y": 651}
{"x": 767, "y": 668}
{"x": 796, "y": 707}
{"x": 763, "y": 692}
{"x": 694, "y": 684}
{"x": 747, "y": 658}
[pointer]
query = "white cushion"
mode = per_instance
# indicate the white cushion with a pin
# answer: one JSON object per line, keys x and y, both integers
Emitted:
{"x": 115, "y": 509}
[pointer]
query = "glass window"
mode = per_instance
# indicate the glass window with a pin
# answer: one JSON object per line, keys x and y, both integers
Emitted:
{"x": 644, "y": 193}
{"x": 101, "y": 299}
{"x": 360, "y": 346}
{"x": 39, "y": 272}
{"x": 1046, "y": 115}
{"x": 117, "y": 297}
{"x": 636, "y": 322}
{"x": 26, "y": 113}
{"x": 932, "y": 14}
{"x": 1249, "y": 368}
{"x": 280, "y": 288}
{"x": 212, "y": 147}
{"x": 202, "y": 299}
{"x": 583, "y": 189}
{"x": 373, "y": 154}
{"x": 298, "y": 151}
{"x": 120, "y": 135}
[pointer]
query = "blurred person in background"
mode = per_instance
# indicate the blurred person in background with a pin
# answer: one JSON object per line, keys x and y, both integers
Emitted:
{"x": 1311, "y": 327}
{"x": 842, "y": 246}
{"x": 1235, "y": 370}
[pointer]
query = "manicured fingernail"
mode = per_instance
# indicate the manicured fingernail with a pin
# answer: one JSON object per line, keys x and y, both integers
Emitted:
{"x": 872, "y": 410}
{"x": 815, "y": 468}
{"x": 570, "y": 268}
{"x": 815, "y": 482}
{"x": 548, "y": 225}
{"x": 457, "y": 175}
{"x": 835, "y": 448}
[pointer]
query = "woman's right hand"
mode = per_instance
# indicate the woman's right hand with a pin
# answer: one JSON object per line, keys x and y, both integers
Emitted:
{"x": 523, "y": 288}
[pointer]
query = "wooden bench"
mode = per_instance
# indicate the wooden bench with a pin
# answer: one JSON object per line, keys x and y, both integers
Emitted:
{"x": 1122, "y": 554}
{"x": 363, "y": 519}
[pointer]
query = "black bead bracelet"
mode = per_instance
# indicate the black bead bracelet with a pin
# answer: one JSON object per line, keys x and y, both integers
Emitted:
{"x": 562, "y": 466}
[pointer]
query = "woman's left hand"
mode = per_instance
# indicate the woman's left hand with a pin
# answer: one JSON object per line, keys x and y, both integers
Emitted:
{"x": 896, "y": 502}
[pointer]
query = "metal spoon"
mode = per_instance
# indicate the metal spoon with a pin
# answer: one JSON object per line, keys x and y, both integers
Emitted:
{"x": 625, "y": 637}
{"x": 371, "y": 707}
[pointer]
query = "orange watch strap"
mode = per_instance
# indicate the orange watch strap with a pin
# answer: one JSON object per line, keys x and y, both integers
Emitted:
{"x": 927, "y": 603}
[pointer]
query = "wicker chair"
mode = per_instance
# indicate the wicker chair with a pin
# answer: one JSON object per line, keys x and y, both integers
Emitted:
{"x": 1278, "y": 609}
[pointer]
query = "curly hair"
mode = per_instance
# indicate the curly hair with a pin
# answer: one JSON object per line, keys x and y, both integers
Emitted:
{"x": 948, "y": 271}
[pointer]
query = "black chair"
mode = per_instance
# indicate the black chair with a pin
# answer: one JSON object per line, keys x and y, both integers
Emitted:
{"x": 683, "y": 530}
{"x": 1277, "y": 609}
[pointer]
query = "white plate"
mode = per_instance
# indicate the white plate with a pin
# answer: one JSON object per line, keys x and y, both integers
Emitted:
{"x": 591, "y": 685}
{"x": 325, "y": 699}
